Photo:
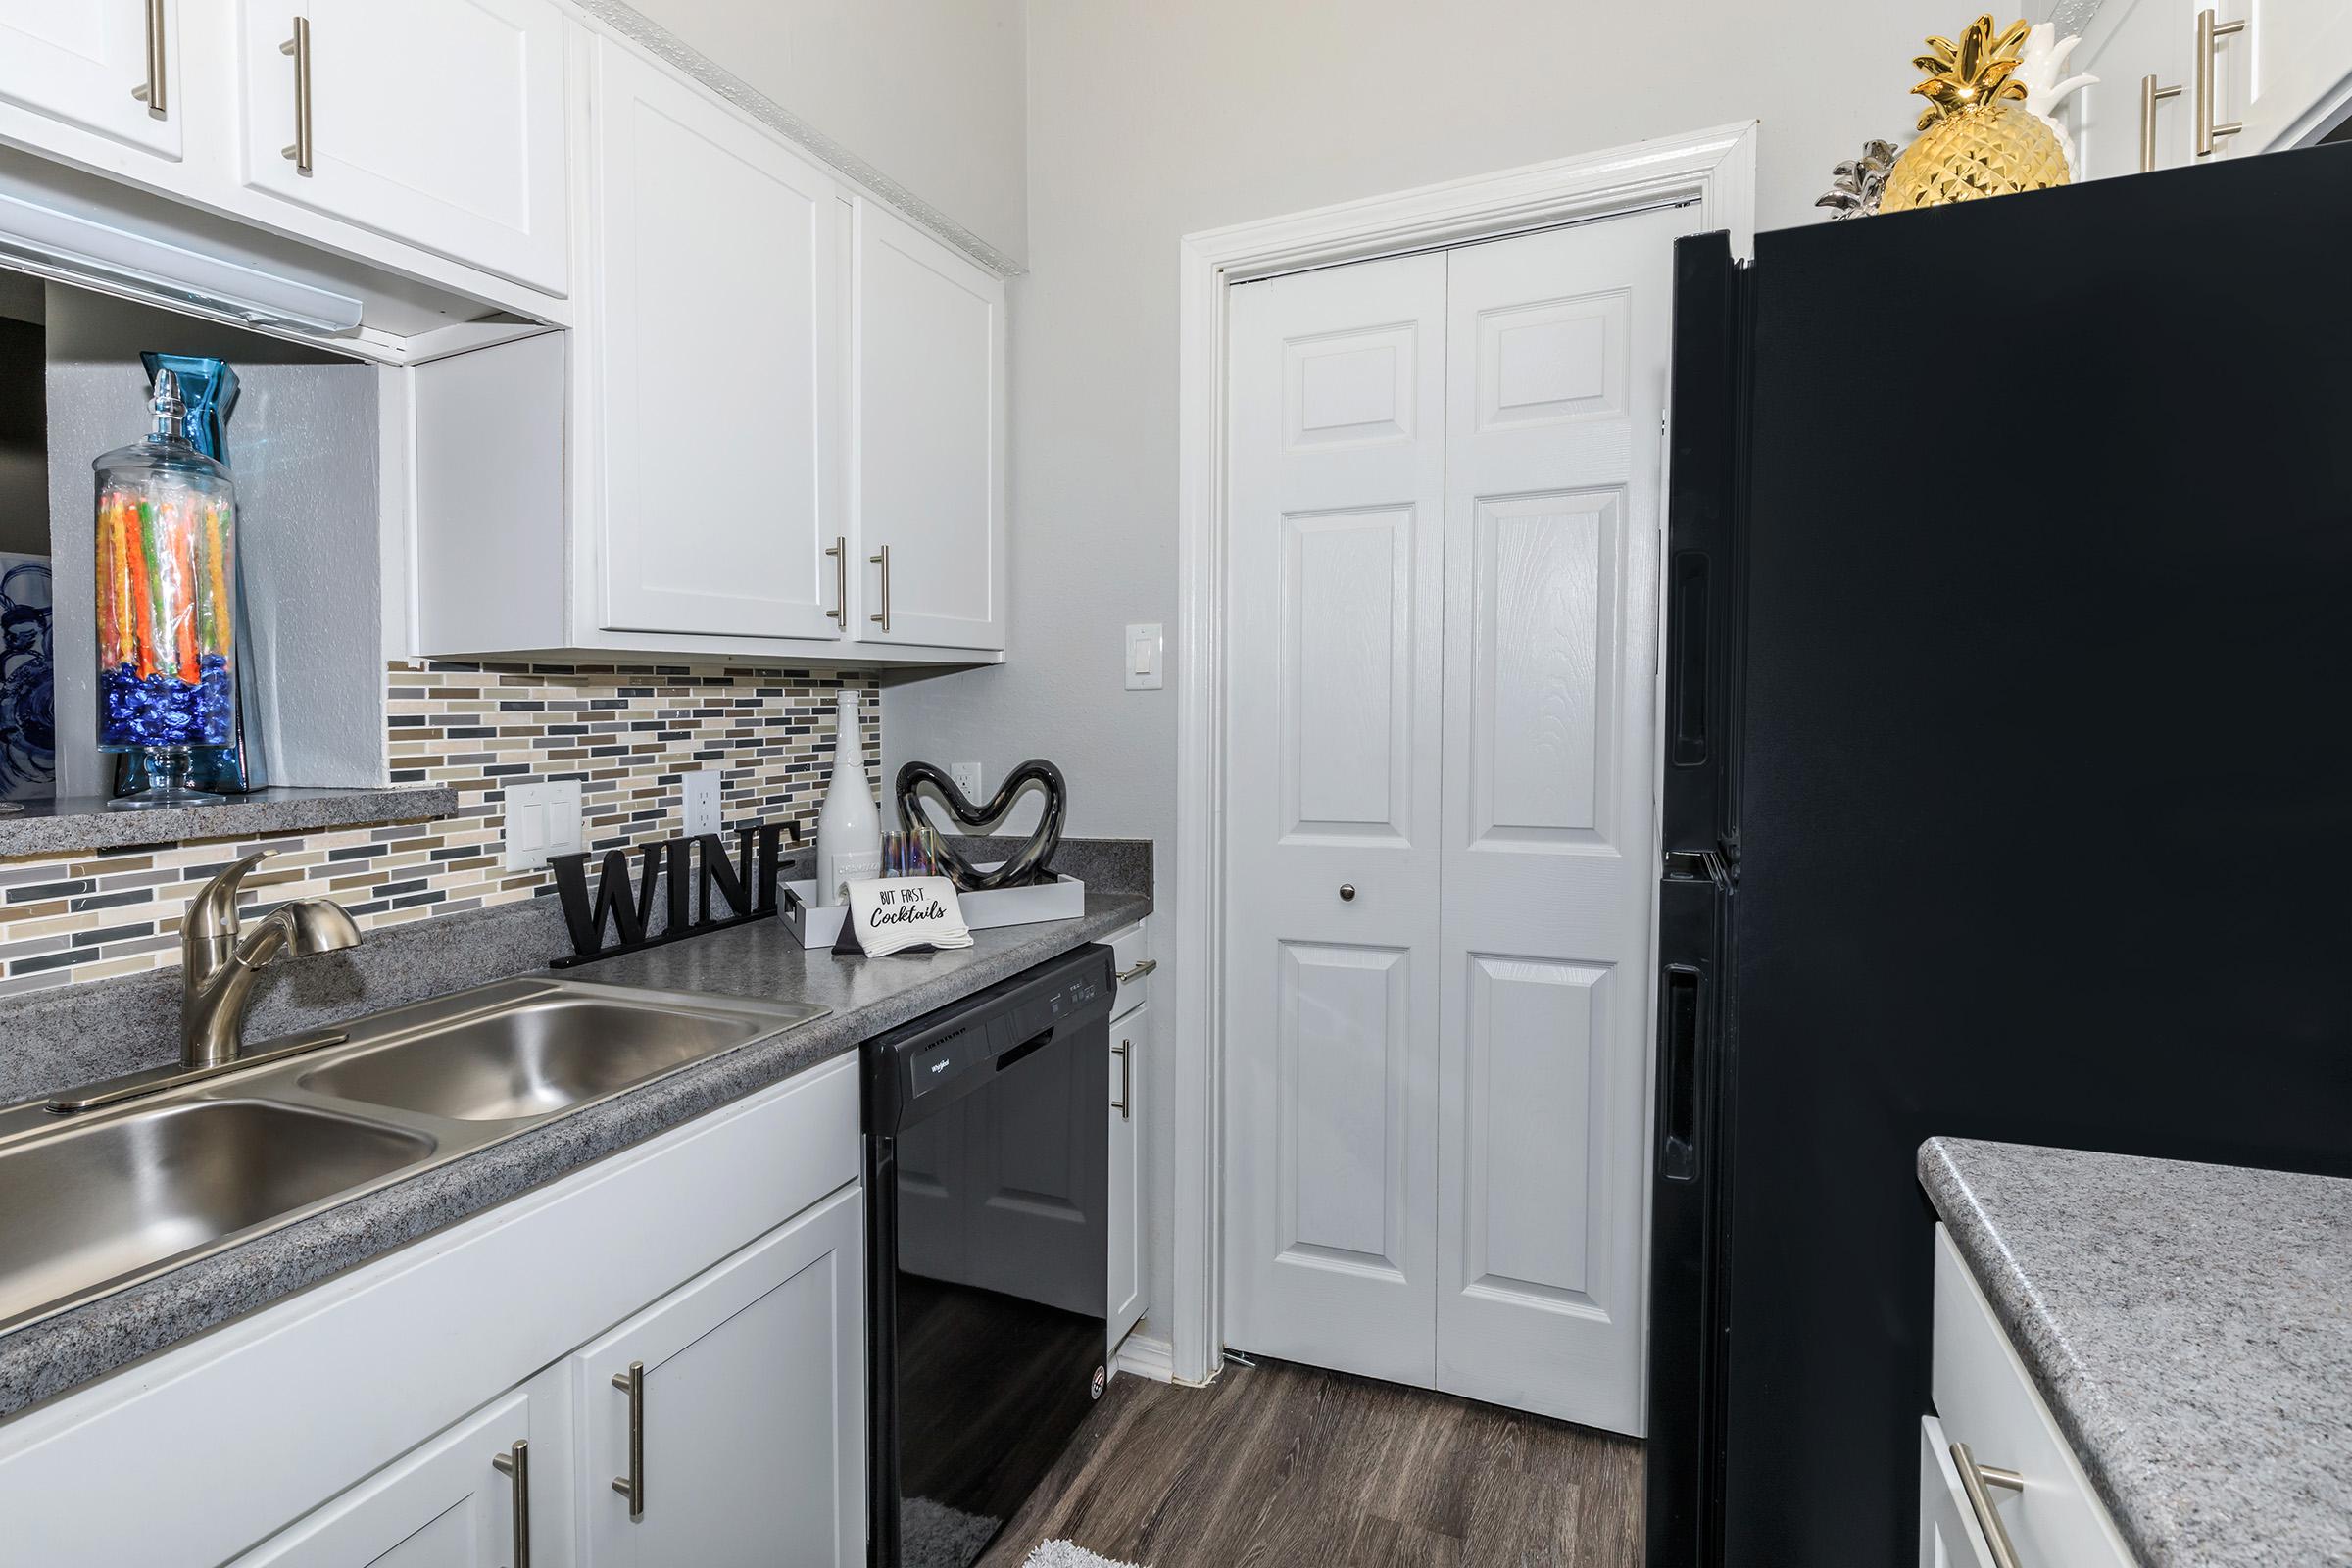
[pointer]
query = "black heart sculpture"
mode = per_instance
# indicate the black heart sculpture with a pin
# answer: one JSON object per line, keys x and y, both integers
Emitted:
{"x": 1032, "y": 862}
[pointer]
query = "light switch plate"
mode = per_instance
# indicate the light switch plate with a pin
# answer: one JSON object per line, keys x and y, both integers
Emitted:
{"x": 541, "y": 820}
{"x": 702, "y": 802}
{"x": 967, "y": 778}
{"x": 1143, "y": 657}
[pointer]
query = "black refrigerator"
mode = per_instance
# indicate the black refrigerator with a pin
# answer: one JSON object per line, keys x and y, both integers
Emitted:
{"x": 2008, "y": 763}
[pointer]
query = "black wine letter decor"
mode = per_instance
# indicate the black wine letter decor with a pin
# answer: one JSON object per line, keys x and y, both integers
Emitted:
{"x": 688, "y": 871}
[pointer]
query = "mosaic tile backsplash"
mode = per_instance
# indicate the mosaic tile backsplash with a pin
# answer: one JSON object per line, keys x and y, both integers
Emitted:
{"x": 626, "y": 733}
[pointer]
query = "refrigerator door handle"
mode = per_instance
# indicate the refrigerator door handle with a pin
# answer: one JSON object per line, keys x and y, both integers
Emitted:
{"x": 1682, "y": 1011}
{"x": 1687, "y": 659}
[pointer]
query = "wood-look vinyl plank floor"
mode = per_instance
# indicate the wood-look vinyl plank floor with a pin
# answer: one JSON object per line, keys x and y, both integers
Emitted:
{"x": 1277, "y": 1465}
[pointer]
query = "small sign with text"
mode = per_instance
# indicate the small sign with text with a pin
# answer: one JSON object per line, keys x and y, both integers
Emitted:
{"x": 897, "y": 915}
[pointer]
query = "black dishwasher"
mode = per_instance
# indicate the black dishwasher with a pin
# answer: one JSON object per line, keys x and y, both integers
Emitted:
{"x": 987, "y": 1170}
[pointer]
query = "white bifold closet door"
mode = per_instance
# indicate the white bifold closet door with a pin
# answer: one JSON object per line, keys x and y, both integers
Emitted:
{"x": 1440, "y": 647}
{"x": 1334, "y": 605}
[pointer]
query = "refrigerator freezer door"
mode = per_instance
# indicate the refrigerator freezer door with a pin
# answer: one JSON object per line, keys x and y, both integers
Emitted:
{"x": 1696, "y": 832}
{"x": 2042, "y": 659}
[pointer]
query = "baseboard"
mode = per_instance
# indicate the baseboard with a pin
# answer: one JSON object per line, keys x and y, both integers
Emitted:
{"x": 1147, "y": 1357}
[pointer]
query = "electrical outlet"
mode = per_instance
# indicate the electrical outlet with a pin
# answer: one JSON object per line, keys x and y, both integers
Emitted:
{"x": 541, "y": 820}
{"x": 967, "y": 778}
{"x": 701, "y": 803}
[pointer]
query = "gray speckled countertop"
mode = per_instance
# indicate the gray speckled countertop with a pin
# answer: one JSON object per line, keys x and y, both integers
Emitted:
{"x": 51, "y": 1356}
{"x": 2190, "y": 1326}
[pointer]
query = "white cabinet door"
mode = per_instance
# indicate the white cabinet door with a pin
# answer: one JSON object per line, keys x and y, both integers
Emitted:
{"x": 714, "y": 365}
{"x": 88, "y": 63}
{"x": 2127, "y": 41}
{"x": 1948, "y": 1536}
{"x": 2295, "y": 57}
{"x": 928, "y": 472}
{"x": 1556, "y": 352}
{"x": 1126, "y": 1188}
{"x": 753, "y": 1410}
{"x": 1332, "y": 856}
{"x": 437, "y": 123}
{"x": 447, "y": 1504}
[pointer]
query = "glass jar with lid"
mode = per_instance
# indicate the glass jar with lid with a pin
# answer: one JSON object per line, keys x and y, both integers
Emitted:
{"x": 166, "y": 610}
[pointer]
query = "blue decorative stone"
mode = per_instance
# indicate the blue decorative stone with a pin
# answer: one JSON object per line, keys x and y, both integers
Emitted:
{"x": 164, "y": 711}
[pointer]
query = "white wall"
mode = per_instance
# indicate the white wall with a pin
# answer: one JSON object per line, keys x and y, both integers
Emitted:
{"x": 927, "y": 91}
{"x": 1151, "y": 119}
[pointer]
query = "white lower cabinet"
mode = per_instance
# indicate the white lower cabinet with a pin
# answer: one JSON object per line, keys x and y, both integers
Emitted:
{"x": 1948, "y": 1537}
{"x": 467, "y": 1499}
{"x": 1130, "y": 1027}
{"x": 727, "y": 1423}
{"x": 733, "y": 1409}
{"x": 720, "y": 1425}
{"x": 1126, "y": 1190}
{"x": 366, "y": 1421}
{"x": 2036, "y": 1496}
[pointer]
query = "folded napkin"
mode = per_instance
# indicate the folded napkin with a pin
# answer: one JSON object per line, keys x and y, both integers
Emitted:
{"x": 902, "y": 914}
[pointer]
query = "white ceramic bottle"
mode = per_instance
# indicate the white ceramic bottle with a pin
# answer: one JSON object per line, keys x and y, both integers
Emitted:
{"x": 849, "y": 827}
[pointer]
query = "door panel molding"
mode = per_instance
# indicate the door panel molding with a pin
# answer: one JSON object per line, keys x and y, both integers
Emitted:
{"x": 1343, "y": 1076}
{"x": 1347, "y": 752}
{"x": 1542, "y": 762}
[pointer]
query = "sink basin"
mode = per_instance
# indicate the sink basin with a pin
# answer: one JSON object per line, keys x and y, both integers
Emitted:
{"x": 99, "y": 1202}
{"x": 535, "y": 1057}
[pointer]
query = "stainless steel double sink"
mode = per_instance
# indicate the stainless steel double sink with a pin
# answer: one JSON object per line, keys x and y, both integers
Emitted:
{"x": 98, "y": 1200}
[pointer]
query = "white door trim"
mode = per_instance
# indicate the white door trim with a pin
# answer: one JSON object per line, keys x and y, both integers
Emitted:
{"x": 1715, "y": 169}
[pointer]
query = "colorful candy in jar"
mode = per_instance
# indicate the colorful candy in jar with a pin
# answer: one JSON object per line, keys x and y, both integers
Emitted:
{"x": 167, "y": 633}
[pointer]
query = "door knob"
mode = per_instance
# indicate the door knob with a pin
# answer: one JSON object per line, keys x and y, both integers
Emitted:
{"x": 1346, "y": 893}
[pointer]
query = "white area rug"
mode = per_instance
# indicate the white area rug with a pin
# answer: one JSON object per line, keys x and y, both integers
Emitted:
{"x": 932, "y": 1535}
{"x": 1062, "y": 1555}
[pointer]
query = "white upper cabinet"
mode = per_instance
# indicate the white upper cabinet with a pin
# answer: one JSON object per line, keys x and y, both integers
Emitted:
{"x": 715, "y": 363}
{"x": 2268, "y": 66}
{"x": 927, "y": 331}
{"x": 436, "y": 122}
{"x": 2293, "y": 58}
{"x": 2128, "y": 41}
{"x": 787, "y": 418}
{"x": 105, "y": 66}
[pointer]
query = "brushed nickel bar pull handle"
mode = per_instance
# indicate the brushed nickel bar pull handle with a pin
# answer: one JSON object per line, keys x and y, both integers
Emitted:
{"x": 516, "y": 1465}
{"x": 1974, "y": 1479}
{"x": 632, "y": 1485}
{"x": 299, "y": 46}
{"x": 883, "y": 561}
{"x": 1143, "y": 967}
{"x": 1125, "y": 1104}
{"x": 2150, "y": 95}
{"x": 839, "y": 615}
{"x": 2208, "y": 31}
{"x": 151, "y": 91}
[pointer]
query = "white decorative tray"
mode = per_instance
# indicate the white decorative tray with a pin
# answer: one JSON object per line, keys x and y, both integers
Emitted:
{"x": 1062, "y": 899}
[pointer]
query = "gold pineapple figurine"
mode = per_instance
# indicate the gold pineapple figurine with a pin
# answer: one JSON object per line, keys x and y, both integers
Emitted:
{"x": 1976, "y": 136}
